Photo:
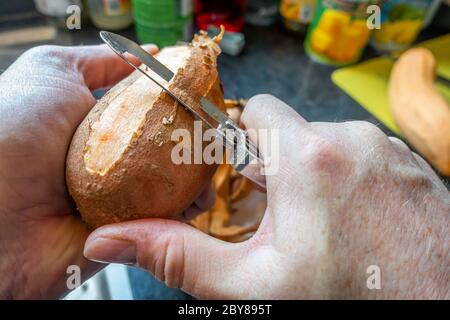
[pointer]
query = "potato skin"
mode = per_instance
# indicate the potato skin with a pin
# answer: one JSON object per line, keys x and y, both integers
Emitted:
{"x": 145, "y": 183}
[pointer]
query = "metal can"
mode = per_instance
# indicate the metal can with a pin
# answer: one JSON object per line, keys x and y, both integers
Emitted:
{"x": 339, "y": 32}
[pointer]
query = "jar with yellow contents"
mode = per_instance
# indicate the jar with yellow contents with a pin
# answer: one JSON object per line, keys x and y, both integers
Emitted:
{"x": 339, "y": 31}
{"x": 401, "y": 22}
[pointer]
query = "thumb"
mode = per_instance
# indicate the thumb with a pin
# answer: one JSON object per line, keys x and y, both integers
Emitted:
{"x": 277, "y": 130}
{"x": 176, "y": 253}
{"x": 101, "y": 67}
{"x": 265, "y": 113}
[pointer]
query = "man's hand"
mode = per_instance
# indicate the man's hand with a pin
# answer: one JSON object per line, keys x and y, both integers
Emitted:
{"x": 45, "y": 94}
{"x": 345, "y": 197}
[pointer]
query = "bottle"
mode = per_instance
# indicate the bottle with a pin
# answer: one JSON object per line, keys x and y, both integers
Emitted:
{"x": 56, "y": 10}
{"x": 229, "y": 13}
{"x": 110, "y": 14}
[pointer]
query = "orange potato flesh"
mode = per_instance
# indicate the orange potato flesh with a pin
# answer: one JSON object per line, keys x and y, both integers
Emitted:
{"x": 122, "y": 121}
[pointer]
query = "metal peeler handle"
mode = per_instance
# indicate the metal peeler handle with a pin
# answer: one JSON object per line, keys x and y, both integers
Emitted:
{"x": 243, "y": 154}
{"x": 248, "y": 162}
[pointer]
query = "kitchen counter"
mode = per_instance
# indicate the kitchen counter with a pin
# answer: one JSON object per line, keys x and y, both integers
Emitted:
{"x": 274, "y": 62}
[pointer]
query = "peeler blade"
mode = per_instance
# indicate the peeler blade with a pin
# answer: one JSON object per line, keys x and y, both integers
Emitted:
{"x": 237, "y": 141}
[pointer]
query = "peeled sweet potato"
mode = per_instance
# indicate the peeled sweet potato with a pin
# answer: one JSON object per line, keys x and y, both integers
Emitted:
{"x": 119, "y": 164}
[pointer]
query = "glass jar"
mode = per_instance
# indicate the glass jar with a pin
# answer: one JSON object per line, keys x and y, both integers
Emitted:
{"x": 56, "y": 11}
{"x": 339, "y": 32}
{"x": 110, "y": 14}
{"x": 401, "y": 22}
{"x": 229, "y": 13}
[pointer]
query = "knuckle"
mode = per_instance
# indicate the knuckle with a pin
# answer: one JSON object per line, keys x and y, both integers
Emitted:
{"x": 370, "y": 139}
{"x": 399, "y": 143}
{"x": 368, "y": 130}
{"x": 400, "y": 150}
{"x": 259, "y": 99}
{"x": 44, "y": 50}
{"x": 327, "y": 156}
{"x": 50, "y": 54}
{"x": 265, "y": 111}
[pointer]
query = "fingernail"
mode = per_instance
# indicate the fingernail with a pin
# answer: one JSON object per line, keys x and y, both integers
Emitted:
{"x": 106, "y": 250}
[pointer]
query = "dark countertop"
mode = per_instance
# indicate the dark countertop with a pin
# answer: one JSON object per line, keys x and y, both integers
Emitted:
{"x": 274, "y": 62}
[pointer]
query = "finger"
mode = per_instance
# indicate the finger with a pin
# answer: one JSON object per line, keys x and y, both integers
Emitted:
{"x": 176, "y": 253}
{"x": 278, "y": 131}
{"x": 101, "y": 67}
{"x": 267, "y": 113}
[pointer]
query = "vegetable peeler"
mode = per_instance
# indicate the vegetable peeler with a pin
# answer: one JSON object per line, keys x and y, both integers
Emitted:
{"x": 245, "y": 157}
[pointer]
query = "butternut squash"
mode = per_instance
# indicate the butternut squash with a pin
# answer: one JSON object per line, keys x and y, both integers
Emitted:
{"x": 422, "y": 114}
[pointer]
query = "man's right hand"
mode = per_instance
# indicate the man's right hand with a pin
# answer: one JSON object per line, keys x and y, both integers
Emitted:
{"x": 345, "y": 197}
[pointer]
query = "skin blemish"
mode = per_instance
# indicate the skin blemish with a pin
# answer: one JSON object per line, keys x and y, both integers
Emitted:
{"x": 207, "y": 60}
{"x": 159, "y": 139}
{"x": 105, "y": 137}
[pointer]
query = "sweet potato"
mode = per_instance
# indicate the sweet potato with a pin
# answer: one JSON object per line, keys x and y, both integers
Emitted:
{"x": 119, "y": 164}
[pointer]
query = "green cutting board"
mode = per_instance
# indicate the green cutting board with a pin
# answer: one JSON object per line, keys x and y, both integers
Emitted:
{"x": 367, "y": 82}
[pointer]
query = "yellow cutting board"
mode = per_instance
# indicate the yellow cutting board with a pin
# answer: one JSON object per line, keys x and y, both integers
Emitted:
{"x": 367, "y": 82}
